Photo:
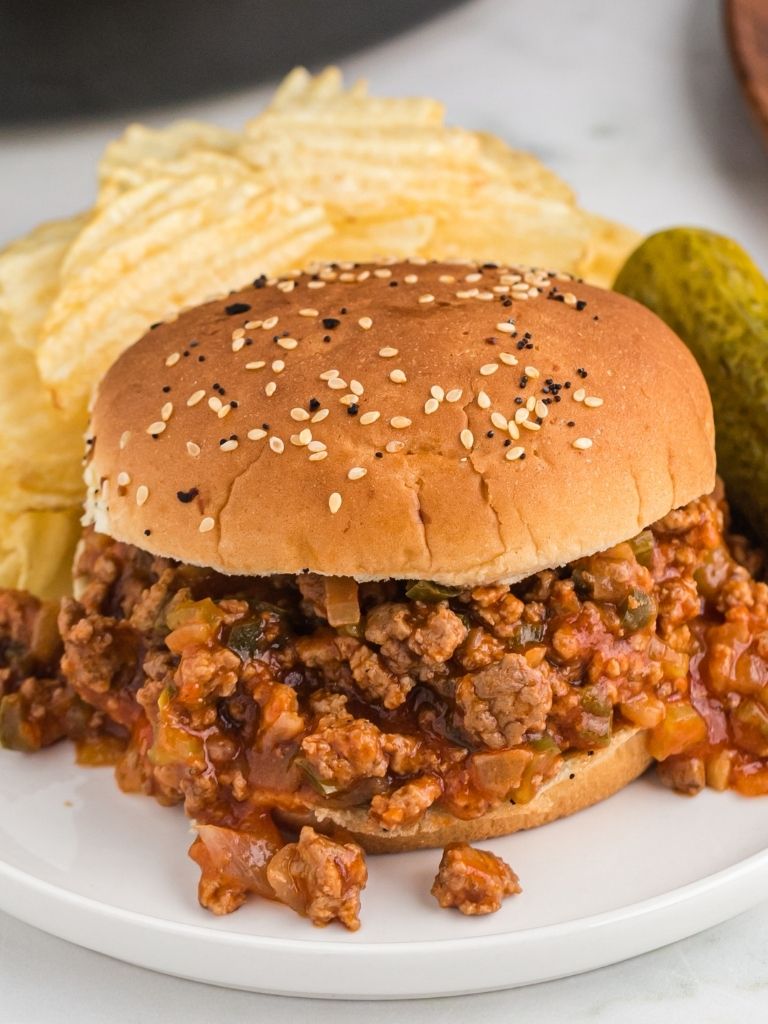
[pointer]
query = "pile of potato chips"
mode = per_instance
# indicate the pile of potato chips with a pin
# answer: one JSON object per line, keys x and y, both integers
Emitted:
{"x": 193, "y": 211}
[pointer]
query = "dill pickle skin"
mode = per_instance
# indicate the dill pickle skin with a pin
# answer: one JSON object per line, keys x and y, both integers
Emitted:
{"x": 711, "y": 293}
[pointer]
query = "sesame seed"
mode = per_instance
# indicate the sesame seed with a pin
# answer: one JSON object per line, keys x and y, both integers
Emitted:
{"x": 214, "y": 402}
{"x": 488, "y": 368}
{"x": 173, "y": 358}
{"x": 317, "y": 446}
{"x": 270, "y": 389}
{"x": 400, "y": 422}
{"x": 472, "y": 278}
{"x": 142, "y": 493}
{"x": 124, "y": 439}
{"x": 437, "y": 392}
{"x": 468, "y": 293}
{"x": 398, "y": 377}
{"x": 195, "y": 397}
{"x": 258, "y": 365}
{"x": 308, "y": 312}
{"x": 365, "y": 322}
{"x": 521, "y": 415}
{"x": 228, "y": 446}
{"x": 277, "y": 445}
{"x": 318, "y": 456}
{"x": 337, "y": 384}
{"x": 278, "y": 366}
{"x": 579, "y": 395}
{"x": 224, "y": 410}
{"x": 252, "y": 325}
{"x": 287, "y": 343}
{"x": 270, "y": 322}
{"x": 569, "y": 299}
{"x": 305, "y": 435}
{"x": 446, "y": 279}
{"x": 382, "y": 272}
{"x": 530, "y": 425}
{"x": 508, "y": 359}
{"x": 207, "y": 523}
{"x": 356, "y": 473}
{"x": 369, "y": 417}
{"x": 356, "y": 388}
{"x": 431, "y": 405}
{"x": 532, "y": 372}
{"x": 237, "y": 344}
{"x": 467, "y": 438}
{"x": 483, "y": 400}
{"x": 256, "y": 434}
{"x": 388, "y": 352}
{"x": 316, "y": 284}
{"x": 299, "y": 414}
{"x": 506, "y": 328}
{"x": 193, "y": 449}
{"x": 123, "y": 479}
{"x": 541, "y": 409}
{"x": 501, "y": 289}
{"x": 156, "y": 428}
{"x": 514, "y": 453}
{"x": 334, "y": 503}
{"x": 329, "y": 374}
{"x": 582, "y": 443}
{"x": 593, "y": 402}
{"x": 512, "y": 430}
{"x": 394, "y": 446}
{"x": 411, "y": 278}
{"x": 454, "y": 395}
{"x": 347, "y": 277}
{"x": 286, "y": 286}
{"x": 530, "y": 405}
{"x": 485, "y": 296}
{"x": 499, "y": 420}
{"x": 166, "y": 411}
{"x": 424, "y": 299}
{"x": 320, "y": 415}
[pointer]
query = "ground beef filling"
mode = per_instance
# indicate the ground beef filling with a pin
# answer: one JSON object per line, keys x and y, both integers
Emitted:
{"x": 246, "y": 698}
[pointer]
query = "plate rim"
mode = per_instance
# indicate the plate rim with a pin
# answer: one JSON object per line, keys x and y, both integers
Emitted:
{"x": 733, "y": 873}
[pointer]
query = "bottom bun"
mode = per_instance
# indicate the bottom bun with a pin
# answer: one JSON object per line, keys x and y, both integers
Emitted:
{"x": 584, "y": 779}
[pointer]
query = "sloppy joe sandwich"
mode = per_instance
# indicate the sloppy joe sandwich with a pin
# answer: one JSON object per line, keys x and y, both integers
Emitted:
{"x": 403, "y": 555}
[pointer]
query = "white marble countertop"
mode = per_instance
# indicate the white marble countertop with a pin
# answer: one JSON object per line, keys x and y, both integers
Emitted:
{"x": 638, "y": 109}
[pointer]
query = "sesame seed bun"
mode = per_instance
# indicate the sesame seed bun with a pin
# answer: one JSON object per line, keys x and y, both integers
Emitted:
{"x": 584, "y": 779}
{"x": 355, "y": 422}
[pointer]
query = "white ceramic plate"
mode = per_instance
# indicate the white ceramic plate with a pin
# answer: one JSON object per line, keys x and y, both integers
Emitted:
{"x": 108, "y": 871}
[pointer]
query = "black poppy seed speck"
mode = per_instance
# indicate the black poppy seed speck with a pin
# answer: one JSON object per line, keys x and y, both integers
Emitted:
{"x": 236, "y": 307}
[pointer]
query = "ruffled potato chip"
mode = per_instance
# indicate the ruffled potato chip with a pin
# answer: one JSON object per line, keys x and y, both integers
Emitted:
{"x": 173, "y": 242}
{"x": 140, "y": 152}
{"x": 37, "y": 549}
{"x": 609, "y": 247}
{"x": 41, "y": 447}
{"x": 29, "y": 277}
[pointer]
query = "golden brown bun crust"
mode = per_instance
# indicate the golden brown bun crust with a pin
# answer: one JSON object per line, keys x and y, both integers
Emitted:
{"x": 595, "y": 777}
{"x": 448, "y": 505}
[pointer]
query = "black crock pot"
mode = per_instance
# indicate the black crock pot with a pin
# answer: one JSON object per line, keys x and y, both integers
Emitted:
{"x": 63, "y": 57}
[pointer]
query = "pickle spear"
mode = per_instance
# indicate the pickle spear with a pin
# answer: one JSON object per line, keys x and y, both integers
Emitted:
{"x": 708, "y": 289}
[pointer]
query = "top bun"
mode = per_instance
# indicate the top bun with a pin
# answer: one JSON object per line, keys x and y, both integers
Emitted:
{"x": 353, "y": 422}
